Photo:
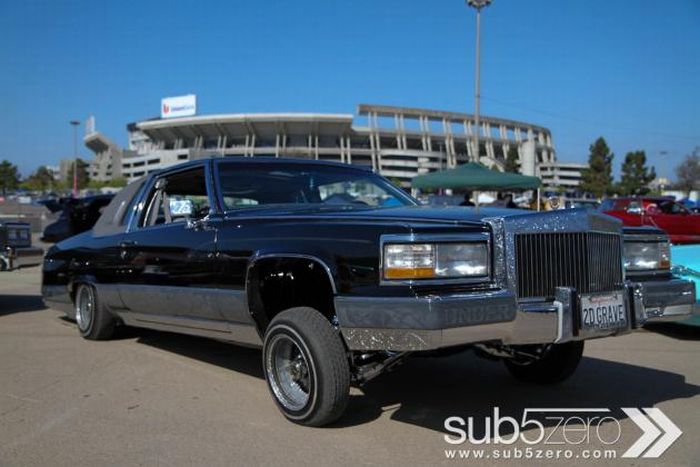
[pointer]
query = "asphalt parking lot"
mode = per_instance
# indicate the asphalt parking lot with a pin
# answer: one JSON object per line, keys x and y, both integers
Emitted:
{"x": 151, "y": 398}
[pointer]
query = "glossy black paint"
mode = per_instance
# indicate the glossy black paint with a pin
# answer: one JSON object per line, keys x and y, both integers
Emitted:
{"x": 260, "y": 257}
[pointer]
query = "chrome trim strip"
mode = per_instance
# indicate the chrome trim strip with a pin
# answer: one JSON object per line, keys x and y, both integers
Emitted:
{"x": 226, "y": 305}
{"x": 239, "y": 333}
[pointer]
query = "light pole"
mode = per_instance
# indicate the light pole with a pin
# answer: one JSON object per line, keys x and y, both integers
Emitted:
{"x": 478, "y": 4}
{"x": 75, "y": 124}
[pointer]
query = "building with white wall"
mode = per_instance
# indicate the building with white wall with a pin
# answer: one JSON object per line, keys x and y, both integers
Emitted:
{"x": 398, "y": 142}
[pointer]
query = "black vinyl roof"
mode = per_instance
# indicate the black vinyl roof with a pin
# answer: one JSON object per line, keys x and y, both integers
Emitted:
{"x": 113, "y": 218}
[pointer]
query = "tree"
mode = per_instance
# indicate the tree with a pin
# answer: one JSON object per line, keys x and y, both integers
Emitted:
{"x": 9, "y": 177}
{"x": 83, "y": 176}
{"x": 597, "y": 178}
{"x": 121, "y": 182}
{"x": 118, "y": 182}
{"x": 688, "y": 172}
{"x": 41, "y": 180}
{"x": 512, "y": 165}
{"x": 396, "y": 181}
{"x": 635, "y": 177}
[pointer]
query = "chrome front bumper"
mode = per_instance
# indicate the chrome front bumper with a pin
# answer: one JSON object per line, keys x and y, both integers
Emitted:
{"x": 659, "y": 301}
{"x": 437, "y": 321}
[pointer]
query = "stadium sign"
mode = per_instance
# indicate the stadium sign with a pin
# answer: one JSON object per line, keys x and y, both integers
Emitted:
{"x": 179, "y": 106}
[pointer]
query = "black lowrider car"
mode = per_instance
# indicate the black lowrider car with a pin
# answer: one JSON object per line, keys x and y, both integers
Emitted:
{"x": 339, "y": 275}
{"x": 16, "y": 248}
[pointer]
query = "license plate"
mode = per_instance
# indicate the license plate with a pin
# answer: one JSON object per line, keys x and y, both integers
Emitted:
{"x": 603, "y": 311}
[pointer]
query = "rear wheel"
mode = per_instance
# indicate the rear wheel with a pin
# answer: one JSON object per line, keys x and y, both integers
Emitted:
{"x": 94, "y": 322}
{"x": 306, "y": 367}
{"x": 555, "y": 364}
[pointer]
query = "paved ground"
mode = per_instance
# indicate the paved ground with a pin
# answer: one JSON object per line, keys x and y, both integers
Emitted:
{"x": 150, "y": 398}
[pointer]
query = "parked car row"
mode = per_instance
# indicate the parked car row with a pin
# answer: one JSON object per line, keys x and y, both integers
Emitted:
{"x": 681, "y": 224}
{"x": 338, "y": 275}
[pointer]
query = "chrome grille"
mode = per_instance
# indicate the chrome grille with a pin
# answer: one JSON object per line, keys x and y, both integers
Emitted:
{"x": 586, "y": 261}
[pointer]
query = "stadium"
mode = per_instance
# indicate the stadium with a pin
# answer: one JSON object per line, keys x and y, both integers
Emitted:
{"x": 397, "y": 142}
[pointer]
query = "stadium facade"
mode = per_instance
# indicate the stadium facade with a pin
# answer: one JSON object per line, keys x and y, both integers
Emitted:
{"x": 398, "y": 142}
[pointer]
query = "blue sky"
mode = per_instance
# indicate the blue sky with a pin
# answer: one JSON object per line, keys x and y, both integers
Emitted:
{"x": 628, "y": 70}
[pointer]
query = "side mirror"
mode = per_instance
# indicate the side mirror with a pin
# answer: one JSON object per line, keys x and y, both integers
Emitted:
{"x": 198, "y": 224}
{"x": 193, "y": 224}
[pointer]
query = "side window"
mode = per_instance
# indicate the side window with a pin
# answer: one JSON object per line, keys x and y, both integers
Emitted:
{"x": 177, "y": 198}
{"x": 634, "y": 206}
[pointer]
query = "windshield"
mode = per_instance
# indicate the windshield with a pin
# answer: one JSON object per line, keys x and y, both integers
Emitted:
{"x": 260, "y": 184}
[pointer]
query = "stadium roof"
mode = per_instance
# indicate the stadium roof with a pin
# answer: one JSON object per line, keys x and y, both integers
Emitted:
{"x": 390, "y": 111}
{"x": 97, "y": 142}
{"x": 240, "y": 125}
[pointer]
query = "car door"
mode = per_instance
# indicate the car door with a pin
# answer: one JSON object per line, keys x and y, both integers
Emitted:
{"x": 170, "y": 251}
{"x": 669, "y": 216}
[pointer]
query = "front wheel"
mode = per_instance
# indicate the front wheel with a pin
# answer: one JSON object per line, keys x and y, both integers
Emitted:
{"x": 306, "y": 367}
{"x": 555, "y": 363}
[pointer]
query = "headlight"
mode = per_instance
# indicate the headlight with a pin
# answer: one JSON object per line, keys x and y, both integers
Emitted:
{"x": 435, "y": 260}
{"x": 647, "y": 256}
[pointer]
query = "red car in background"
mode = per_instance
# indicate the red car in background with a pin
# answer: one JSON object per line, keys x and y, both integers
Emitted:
{"x": 682, "y": 225}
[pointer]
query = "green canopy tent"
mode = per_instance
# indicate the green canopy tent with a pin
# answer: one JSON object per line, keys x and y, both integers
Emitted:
{"x": 474, "y": 176}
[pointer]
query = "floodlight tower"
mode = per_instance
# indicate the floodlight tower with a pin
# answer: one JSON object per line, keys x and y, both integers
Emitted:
{"x": 74, "y": 124}
{"x": 478, "y": 4}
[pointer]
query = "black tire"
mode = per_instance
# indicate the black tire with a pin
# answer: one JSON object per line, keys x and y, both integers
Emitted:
{"x": 557, "y": 364}
{"x": 4, "y": 263}
{"x": 313, "y": 388}
{"x": 94, "y": 322}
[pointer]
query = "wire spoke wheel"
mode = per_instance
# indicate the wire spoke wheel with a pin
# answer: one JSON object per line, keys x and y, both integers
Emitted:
{"x": 85, "y": 308}
{"x": 288, "y": 371}
{"x": 306, "y": 367}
